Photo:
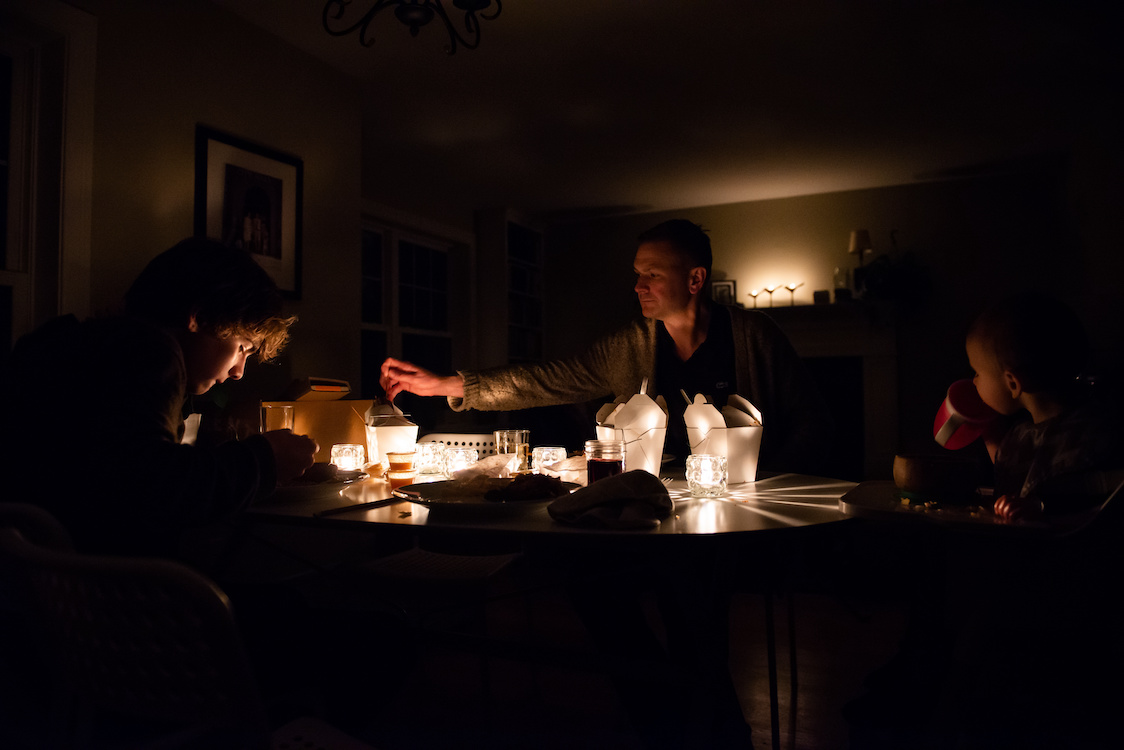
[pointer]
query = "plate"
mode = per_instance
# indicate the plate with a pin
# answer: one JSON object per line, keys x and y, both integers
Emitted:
{"x": 467, "y": 495}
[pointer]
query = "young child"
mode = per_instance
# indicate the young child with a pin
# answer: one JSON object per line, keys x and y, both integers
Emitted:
{"x": 96, "y": 408}
{"x": 1028, "y": 353}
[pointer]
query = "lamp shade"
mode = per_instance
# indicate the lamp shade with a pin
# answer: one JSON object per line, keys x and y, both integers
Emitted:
{"x": 860, "y": 242}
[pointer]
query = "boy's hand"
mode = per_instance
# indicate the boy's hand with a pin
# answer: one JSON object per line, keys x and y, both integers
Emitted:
{"x": 1009, "y": 509}
{"x": 294, "y": 454}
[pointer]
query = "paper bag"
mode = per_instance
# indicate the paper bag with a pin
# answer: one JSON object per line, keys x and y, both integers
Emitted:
{"x": 641, "y": 423}
{"x": 734, "y": 432}
{"x": 329, "y": 422}
{"x": 389, "y": 431}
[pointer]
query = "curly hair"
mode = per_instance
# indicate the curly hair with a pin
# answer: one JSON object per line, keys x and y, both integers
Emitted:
{"x": 225, "y": 290}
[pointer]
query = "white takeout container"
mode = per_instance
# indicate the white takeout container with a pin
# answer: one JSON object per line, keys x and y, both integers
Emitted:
{"x": 641, "y": 422}
{"x": 734, "y": 432}
{"x": 389, "y": 431}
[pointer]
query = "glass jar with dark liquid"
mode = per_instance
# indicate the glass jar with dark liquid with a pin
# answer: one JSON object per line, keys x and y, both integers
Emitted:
{"x": 603, "y": 458}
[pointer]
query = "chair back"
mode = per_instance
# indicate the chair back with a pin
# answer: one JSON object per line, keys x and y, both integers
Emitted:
{"x": 36, "y": 524}
{"x": 484, "y": 443}
{"x": 138, "y": 638}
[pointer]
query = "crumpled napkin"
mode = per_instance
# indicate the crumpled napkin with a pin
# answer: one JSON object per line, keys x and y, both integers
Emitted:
{"x": 496, "y": 465}
{"x": 633, "y": 500}
{"x": 572, "y": 469}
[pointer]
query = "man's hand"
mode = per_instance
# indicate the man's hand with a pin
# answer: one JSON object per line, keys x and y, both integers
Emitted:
{"x": 293, "y": 454}
{"x": 398, "y": 376}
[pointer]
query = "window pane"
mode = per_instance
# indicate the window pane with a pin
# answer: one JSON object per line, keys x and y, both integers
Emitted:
{"x": 372, "y": 277}
{"x": 423, "y": 287}
{"x": 372, "y": 346}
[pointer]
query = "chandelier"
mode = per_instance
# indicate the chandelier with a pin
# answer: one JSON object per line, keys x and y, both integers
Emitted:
{"x": 415, "y": 14}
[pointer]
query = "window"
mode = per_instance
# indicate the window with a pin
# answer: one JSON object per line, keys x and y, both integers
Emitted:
{"x": 524, "y": 294}
{"x": 405, "y": 310}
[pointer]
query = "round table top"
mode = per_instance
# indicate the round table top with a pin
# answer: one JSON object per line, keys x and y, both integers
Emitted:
{"x": 782, "y": 501}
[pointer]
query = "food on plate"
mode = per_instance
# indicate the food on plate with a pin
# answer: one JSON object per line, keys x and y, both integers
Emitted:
{"x": 455, "y": 489}
{"x": 528, "y": 487}
{"x": 321, "y": 472}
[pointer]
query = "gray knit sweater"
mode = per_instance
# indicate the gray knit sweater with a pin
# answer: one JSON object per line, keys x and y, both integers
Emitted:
{"x": 797, "y": 428}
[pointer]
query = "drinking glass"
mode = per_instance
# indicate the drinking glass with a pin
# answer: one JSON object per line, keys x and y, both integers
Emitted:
{"x": 514, "y": 442}
{"x": 603, "y": 459}
{"x": 707, "y": 474}
{"x": 276, "y": 418}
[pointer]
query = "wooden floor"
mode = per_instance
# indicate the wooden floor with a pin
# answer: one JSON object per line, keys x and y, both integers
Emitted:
{"x": 546, "y": 706}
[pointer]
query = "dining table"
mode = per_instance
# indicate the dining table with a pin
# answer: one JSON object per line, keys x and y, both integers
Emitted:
{"x": 758, "y": 514}
{"x": 773, "y": 502}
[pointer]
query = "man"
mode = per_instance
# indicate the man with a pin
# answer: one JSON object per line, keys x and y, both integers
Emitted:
{"x": 684, "y": 342}
{"x": 93, "y": 430}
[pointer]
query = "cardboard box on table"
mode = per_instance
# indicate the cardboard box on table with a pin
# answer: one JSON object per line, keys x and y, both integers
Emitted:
{"x": 734, "y": 432}
{"x": 641, "y": 422}
{"x": 388, "y": 431}
{"x": 330, "y": 423}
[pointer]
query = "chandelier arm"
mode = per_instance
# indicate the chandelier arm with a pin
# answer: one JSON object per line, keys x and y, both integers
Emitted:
{"x": 365, "y": 38}
{"x": 334, "y": 11}
{"x": 470, "y": 22}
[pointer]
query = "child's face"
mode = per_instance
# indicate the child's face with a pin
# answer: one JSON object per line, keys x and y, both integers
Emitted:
{"x": 211, "y": 359}
{"x": 990, "y": 379}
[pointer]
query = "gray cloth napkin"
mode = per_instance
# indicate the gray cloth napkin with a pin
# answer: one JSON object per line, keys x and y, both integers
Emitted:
{"x": 633, "y": 500}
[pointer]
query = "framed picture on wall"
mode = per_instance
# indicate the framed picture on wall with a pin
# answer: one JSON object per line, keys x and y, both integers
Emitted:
{"x": 724, "y": 291}
{"x": 249, "y": 196}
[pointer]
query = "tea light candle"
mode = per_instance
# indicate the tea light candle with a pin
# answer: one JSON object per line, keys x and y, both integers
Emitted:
{"x": 349, "y": 456}
{"x": 431, "y": 457}
{"x": 545, "y": 457}
{"x": 460, "y": 458}
{"x": 707, "y": 474}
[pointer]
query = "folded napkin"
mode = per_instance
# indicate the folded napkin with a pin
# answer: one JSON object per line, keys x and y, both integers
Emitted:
{"x": 633, "y": 500}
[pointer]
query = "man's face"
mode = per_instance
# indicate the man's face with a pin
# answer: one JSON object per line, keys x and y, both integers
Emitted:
{"x": 212, "y": 359}
{"x": 663, "y": 281}
{"x": 990, "y": 379}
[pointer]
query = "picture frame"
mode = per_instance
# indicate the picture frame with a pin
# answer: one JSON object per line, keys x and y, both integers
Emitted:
{"x": 250, "y": 196}
{"x": 724, "y": 291}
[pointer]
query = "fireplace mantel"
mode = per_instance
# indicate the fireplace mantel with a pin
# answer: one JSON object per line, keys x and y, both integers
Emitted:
{"x": 862, "y": 330}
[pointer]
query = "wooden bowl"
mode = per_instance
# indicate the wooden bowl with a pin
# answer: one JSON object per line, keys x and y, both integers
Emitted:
{"x": 936, "y": 477}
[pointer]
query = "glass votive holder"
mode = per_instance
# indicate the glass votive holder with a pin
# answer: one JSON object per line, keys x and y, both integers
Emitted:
{"x": 349, "y": 456}
{"x": 400, "y": 461}
{"x": 546, "y": 457}
{"x": 400, "y": 478}
{"x": 457, "y": 459}
{"x": 430, "y": 457}
{"x": 707, "y": 474}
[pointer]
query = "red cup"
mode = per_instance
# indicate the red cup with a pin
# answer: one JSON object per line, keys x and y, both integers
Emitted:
{"x": 963, "y": 416}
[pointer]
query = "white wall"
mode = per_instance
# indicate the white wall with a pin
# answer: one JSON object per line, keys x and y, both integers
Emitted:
{"x": 164, "y": 67}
